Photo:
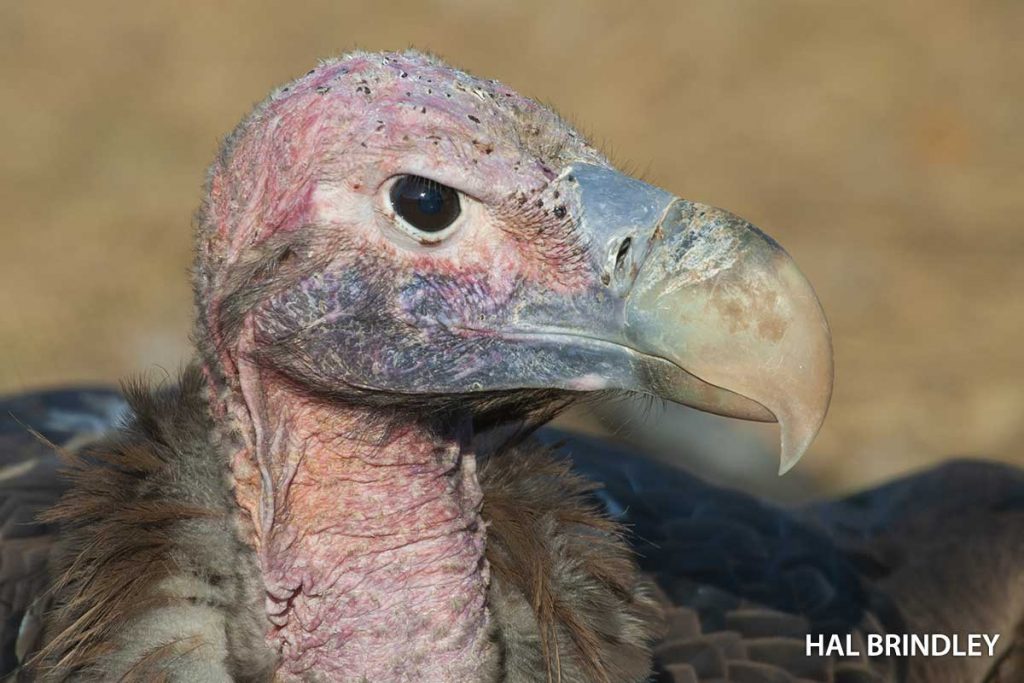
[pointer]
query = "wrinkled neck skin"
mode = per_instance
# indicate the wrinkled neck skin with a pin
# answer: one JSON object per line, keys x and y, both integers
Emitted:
{"x": 368, "y": 537}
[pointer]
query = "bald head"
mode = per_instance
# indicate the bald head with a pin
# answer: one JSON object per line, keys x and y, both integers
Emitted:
{"x": 365, "y": 117}
{"x": 298, "y": 199}
{"x": 389, "y": 226}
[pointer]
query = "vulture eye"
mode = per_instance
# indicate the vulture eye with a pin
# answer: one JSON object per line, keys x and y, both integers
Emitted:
{"x": 425, "y": 205}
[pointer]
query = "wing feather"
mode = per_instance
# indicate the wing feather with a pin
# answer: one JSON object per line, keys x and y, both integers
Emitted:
{"x": 938, "y": 552}
{"x": 32, "y": 427}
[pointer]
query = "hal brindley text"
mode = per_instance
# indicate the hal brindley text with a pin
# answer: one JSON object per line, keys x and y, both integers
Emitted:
{"x": 902, "y": 645}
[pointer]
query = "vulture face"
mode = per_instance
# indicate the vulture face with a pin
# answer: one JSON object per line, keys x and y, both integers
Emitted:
{"x": 387, "y": 225}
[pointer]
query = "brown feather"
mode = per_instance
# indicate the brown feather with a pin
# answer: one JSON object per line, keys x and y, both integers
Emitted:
{"x": 138, "y": 505}
{"x": 152, "y": 504}
{"x": 548, "y": 541}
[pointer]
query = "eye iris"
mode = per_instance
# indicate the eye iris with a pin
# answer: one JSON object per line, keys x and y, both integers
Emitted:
{"x": 425, "y": 204}
{"x": 431, "y": 201}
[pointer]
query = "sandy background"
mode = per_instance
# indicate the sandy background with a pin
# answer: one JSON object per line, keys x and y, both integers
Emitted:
{"x": 880, "y": 142}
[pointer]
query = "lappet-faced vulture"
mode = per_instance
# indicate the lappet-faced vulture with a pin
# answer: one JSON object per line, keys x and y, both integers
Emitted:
{"x": 401, "y": 272}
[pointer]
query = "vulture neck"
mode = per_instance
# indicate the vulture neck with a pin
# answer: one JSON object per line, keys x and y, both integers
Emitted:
{"x": 368, "y": 537}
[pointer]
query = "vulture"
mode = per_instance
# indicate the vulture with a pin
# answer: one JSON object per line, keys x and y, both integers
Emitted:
{"x": 402, "y": 273}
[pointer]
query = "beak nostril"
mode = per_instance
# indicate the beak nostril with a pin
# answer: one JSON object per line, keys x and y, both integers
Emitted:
{"x": 623, "y": 253}
{"x": 619, "y": 268}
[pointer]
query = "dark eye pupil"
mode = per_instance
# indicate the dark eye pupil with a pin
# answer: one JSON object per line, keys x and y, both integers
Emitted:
{"x": 425, "y": 204}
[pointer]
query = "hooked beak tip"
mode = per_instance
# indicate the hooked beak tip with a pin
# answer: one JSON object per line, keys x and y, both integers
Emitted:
{"x": 728, "y": 305}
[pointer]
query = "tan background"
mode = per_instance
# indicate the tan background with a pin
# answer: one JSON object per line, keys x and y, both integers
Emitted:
{"x": 880, "y": 142}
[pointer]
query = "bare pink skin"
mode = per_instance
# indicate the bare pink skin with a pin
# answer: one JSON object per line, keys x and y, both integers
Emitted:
{"x": 370, "y": 541}
{"x": 331, "y": 146}
{"x": 367, "y": 539}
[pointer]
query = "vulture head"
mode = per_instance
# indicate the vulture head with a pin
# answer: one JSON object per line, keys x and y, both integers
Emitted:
{"x": 389, "y": 235}
{"x": 387, "y": 228}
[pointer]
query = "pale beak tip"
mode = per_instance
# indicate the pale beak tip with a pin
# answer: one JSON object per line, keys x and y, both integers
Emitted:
{"x": 798, "y": 432}
{"x": 793, "y": 449}
{"x": 790, "y": 457}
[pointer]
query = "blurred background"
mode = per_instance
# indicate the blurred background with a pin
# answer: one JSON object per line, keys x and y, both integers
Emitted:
{"x": 879, "y": 142}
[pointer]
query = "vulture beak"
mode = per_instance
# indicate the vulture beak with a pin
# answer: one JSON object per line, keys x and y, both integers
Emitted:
{"x": 716, "y": 314}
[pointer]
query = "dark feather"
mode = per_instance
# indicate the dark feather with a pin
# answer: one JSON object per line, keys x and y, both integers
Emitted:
{"x": 32, "y": 429}
{"x": 148, "y": 560}
{"x": 151, "y": 581}
{"x": 939, "y": 552}
{"x": 150, "y": 578}
{"x": 566, "y": 594}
